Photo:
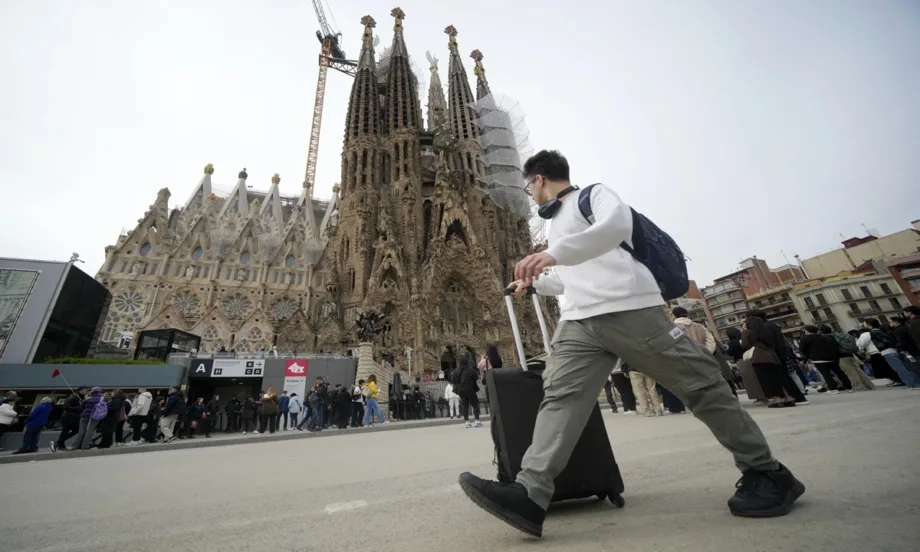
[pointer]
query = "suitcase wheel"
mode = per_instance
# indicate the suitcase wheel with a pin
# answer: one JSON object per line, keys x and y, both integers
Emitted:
{"x": 601, "y": 496}
{"x": 617, "y": 500}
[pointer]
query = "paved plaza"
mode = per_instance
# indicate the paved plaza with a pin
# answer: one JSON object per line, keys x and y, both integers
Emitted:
{"x": 396, "y": 491}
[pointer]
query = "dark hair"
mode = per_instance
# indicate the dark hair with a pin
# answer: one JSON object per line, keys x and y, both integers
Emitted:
{"x": 495, "y": 359}
{"x": 810, "y": 329}
{"x": 913, "y": 309}
{"x": 360, "y": 382}
{"x": 759, "y": 332}
{"x": 854, "y": 333}
{"x": 825, "y": 329}
{"x": 873, "y": 322}
{"x": 733, "y": 333}
{"x": 550, "y": 164}
{"x": 758, "y": 314}
{"x": 899, "y": 319}
{"x": 680, "y": 312}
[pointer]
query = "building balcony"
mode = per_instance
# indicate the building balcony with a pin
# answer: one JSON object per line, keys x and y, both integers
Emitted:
{"x": 724, "y": 300}
{"x": 782, "y": 315}
{"x": 718, "y": 289}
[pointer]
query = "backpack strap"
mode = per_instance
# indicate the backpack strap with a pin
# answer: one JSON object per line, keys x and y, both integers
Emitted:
{"x": 584, "y": 203}
{"x": 584, "y": 206}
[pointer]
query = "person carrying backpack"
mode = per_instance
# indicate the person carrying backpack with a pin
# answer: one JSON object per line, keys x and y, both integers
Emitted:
{"x": 91, "y": 414}
{"x": 615, "y": 269}
{"x": 888, "y": 348}
{"x": 851, "y": 365}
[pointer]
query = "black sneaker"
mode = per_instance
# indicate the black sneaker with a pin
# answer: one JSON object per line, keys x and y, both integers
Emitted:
{"x": 764, "y": 494}
{"x": 506, "y": 501}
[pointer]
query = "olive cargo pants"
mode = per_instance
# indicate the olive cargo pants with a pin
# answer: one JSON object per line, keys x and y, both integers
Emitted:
{"x": 583, "y": 352}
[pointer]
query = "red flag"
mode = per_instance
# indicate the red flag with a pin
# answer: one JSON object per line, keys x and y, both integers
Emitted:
{"x": 55, "y": 374}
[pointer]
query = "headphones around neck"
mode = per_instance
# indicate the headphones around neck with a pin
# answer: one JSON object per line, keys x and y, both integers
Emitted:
{"x": 549, "y": 209}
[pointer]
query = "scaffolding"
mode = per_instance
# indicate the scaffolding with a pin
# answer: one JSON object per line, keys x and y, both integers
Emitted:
{"x": 505, "y": 141}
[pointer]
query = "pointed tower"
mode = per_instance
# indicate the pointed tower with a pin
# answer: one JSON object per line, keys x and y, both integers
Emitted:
{"x": 271, "y": 207}
{"x": 199, "y": 196}
{"x": 482, "y": 85}
{"x": 362, "y": 170}
{"x": 437, "y": 105}
{"x": 461, "y": 115}
{"x": 402, "y": 108}
{"x": 238, "y": 202}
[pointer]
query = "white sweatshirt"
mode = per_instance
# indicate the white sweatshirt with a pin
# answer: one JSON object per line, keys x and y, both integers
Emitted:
{"x": 594, "y": 275}
{"x": 865, "y": 344}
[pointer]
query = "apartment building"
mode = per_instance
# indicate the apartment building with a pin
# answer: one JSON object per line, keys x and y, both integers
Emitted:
{"x": 727, "y": 299}
{"x": 906, "y": 272}
{"x": 845, "y": 300}
{"x": 858, "y": 251}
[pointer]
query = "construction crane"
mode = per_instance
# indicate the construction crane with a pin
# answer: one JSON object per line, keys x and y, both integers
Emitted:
{"x": 331, "y": 55}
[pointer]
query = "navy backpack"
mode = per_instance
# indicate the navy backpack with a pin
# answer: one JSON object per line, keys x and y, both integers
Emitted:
{"x": 653, "y": 247}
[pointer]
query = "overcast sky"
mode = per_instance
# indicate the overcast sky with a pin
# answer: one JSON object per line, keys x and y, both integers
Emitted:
{"x": 741, "y": 128}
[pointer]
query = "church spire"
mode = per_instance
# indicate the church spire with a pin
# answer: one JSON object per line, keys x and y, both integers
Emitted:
{"x": 437, "y": 105}
{"x": 402, "y": 88}
{"x": 362, "y": 105}
{"x": 460, "y": 96}
{"x": 482, "y": 85}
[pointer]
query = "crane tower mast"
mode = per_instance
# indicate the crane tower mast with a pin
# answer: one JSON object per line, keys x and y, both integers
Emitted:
{"x": 331, "y": 55}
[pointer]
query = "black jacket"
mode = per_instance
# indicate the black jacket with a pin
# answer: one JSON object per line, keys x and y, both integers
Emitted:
{"x": 467, "y": 381}
{"x": 819, "y": 347}
{"x": 113, "y": 417}
{"x": 320, "y": 394}
{"x": 175, "y": 404}
{"x": 779, "y": 341}
{"x": 735, "y": 350}
{"x": 72, "y": 407}
{"x": 906, "y": 342}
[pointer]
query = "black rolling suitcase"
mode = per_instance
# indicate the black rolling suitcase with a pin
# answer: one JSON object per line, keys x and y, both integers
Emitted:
{"x": 514, "y": 400}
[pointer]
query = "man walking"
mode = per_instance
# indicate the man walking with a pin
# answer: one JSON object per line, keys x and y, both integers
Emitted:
{"x": 613, "y": 309}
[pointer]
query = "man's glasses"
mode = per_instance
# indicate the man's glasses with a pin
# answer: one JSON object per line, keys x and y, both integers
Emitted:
{"x": 529, "y": 184}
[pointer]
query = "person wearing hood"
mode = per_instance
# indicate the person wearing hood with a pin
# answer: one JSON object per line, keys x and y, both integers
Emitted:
{"x": 35, "y": 422}
{"x": 87, "y": 423}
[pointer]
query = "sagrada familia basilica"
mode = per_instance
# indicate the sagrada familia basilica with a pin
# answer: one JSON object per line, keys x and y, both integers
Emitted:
{"x": 425, "y": 227}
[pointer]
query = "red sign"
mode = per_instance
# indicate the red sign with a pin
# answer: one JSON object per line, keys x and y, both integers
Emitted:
{"x": 295, "y": 369}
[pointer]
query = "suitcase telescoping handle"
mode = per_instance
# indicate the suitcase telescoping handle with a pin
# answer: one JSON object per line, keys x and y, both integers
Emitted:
{"x": 516, "y": 330}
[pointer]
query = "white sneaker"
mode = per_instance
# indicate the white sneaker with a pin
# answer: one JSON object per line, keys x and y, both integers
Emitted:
{"x": 244, "y": 433}
{"x": 833, "y": 392}
{"x": 468, "y": 425}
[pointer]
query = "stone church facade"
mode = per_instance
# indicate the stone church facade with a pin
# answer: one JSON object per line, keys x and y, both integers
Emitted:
{"x": 412, "y": 231}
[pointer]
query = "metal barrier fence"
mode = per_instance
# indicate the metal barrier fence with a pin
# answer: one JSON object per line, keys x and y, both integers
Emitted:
{"x": 429, "y": 402}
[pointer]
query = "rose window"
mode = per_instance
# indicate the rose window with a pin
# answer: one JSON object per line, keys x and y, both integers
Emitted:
{"x": 284, "y": 308}
{"x": 185, "y": 303}
{"x": 128, "y": 301}
{"x": 237, "y": 306}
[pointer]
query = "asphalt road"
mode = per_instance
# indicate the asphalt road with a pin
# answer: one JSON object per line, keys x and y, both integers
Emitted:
{"x": 396, "y": 491}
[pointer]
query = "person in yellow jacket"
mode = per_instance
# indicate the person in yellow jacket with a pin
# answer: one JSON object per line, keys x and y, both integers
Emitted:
{"x": 370, "y": 393}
